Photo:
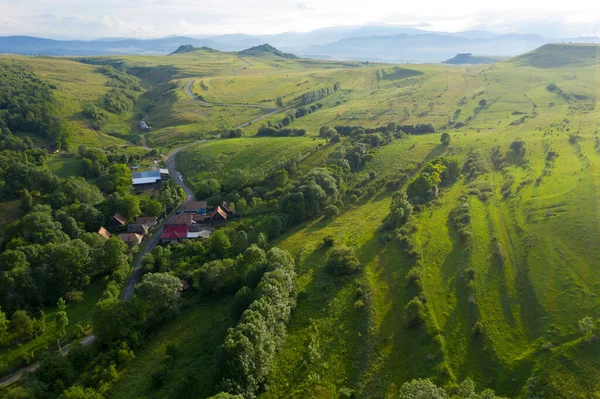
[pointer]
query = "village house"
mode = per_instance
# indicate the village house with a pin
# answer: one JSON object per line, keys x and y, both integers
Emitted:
{"x": 149, "y": 221}
{"x": 195, "y": 206}
{"x": 138, "y": 228}
{"x": 183, "y": 219}
{"x": 131, "y": 238}
{"x": 173, "y": 234}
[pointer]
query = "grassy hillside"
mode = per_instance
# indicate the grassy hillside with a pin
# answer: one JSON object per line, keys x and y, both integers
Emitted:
{"x": 503, "y": 292}
{"x": 526, "y": 274}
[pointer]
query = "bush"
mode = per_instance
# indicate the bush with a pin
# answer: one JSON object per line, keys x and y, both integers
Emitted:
{"x": 415, "y": 312}
{"x": 478, "y": 328}
{"x": 332, "y": 211}
{"x": 341, "y": 260}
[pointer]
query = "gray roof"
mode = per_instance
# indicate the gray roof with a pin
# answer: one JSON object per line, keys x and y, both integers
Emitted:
{"x": 149, "y": 176}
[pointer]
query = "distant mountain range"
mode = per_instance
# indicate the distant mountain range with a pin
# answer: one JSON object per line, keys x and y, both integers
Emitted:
{"x": 365, "y": 43}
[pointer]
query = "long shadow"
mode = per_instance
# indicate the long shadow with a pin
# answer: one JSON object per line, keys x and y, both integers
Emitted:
{"x": 436, "y": 152}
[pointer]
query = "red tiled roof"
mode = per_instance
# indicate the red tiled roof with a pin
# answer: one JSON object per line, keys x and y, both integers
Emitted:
{"x": 195, "y": 205}
{"x": 182, "y": 218}
{"x": 175, "y": 232}
{"x": 220, "y": 211}
{"x": 104, "y": 233}
{"x": 120, "y": 218}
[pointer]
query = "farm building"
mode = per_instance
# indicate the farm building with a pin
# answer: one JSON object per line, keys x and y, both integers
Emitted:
{"x": 195, "y": 206}
{"x": 144, "y": 126}
{"x": 117, "y": 220}
{"x": 131, "y": 238}
{"x": 164, "y": 173}
{"x": 147, "y": 177}
{"x": 218, "y": 217}
{"x": 104, "y": 233}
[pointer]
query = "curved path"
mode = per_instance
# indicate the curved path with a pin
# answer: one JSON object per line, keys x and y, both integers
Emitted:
{"x": 272, "y": 110}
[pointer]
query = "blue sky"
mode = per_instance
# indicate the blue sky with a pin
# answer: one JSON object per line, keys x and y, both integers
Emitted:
{"x": 89, "y": 19}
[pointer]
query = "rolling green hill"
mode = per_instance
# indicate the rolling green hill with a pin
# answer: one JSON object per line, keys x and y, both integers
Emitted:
{"x": 562, "y": 55}
{"x": 502, "y": 261}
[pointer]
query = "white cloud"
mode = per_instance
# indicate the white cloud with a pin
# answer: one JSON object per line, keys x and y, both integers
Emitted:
{"x": 153, "y": 18}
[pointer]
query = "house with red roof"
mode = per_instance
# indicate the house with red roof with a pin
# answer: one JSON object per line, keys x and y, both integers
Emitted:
{"x": 173, "y": 234}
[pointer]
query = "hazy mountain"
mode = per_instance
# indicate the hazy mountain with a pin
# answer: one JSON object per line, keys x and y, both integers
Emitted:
{"x": 368, "y": 42}
{"x": 429, "y": 47}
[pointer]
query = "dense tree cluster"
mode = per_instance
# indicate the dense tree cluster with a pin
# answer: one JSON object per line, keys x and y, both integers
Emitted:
{"x": 278, "y": 130}
{"x": 121, "y": 79}
{"x": 248, "y": 352}
{"x": 424, "y": 187}
{"x": 420, "y": 128}
{"x": 28, "y": 104}
{"x": 316, "y": 95}
{"x": 98, "y": 118}
{"x": 48, "y": 256}
{"x": 118, "y": 101}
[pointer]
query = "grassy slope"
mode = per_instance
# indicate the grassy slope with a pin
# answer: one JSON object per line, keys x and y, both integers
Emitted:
{"x": 76, "y": 83}
{"x": 196, "y": 333}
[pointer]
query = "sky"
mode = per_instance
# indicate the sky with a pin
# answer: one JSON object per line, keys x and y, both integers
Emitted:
{"x": 90, "y": 19}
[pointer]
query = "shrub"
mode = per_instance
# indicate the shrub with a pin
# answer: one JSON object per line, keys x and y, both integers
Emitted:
{"x": 332, "y": 211}
{"x": 341, "y": 260}
{"x": 478, "y": 328}
{"x": 415, "y": 312}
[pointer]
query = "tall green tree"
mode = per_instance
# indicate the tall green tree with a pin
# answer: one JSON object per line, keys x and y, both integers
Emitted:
{"x": 62, "y": 320}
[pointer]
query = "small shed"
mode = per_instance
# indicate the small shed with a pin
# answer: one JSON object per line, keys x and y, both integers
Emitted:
{"x": 117, "y": 220}
{"x": 104, "y": 233}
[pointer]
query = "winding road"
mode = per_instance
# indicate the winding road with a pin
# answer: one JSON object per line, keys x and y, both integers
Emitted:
{"x": 272, "y": 110}
{"x": 136, "y": 272}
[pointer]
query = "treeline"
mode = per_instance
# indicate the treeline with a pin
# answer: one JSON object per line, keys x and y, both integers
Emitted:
{"x": 98, "y": 118}
{"x": 248, "y": 353}
{"x": 316, "y": 95}
{"x": 28, "y": 104}
{"x": 121, "y": 79}
{"x": 280, "y": 129}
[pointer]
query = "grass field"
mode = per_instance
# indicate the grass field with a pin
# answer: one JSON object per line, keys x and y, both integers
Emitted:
{"x": 254, "y": 157}
{"x": 65, "y": 167}
{"x": 79, "y": 313}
